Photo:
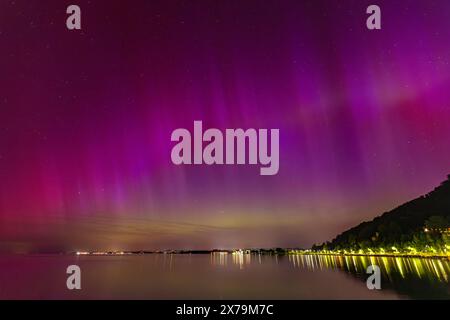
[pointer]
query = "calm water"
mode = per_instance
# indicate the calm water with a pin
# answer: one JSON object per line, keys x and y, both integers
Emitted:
{"x": 222, "y": 276}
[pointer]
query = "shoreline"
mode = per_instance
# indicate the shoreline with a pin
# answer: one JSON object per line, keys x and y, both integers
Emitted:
{"x": 284, "y": 252}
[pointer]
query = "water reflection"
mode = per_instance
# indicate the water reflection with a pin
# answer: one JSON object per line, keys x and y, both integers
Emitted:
{"x": 240, "y": 259}
{"x": 433, "y": 269}
{"x": 420, "y": 278}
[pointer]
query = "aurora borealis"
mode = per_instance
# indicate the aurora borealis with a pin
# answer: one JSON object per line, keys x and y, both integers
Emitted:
{"x": 86, "y": 118}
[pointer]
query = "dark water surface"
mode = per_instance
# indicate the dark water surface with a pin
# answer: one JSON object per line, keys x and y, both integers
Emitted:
{"x": 221, "y": 276}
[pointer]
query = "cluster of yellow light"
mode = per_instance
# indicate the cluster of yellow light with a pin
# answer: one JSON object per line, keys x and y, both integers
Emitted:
{"x": 429, "y": 251}
{"x": 440, "y": 230}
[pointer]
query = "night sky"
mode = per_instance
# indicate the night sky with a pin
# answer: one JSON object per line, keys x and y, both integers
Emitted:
{"x": 86, "y": 118}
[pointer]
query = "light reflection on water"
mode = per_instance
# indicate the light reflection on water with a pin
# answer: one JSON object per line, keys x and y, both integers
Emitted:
{"x": 434, "y": 269}
{"x": 413, "y": 277}
{"x": 222, "y": 276}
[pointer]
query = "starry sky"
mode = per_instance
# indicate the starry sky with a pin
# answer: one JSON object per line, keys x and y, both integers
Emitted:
{"x": 86, "y": 118}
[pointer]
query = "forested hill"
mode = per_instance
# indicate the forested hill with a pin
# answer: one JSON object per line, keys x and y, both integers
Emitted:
{"x": 410, "y": 224}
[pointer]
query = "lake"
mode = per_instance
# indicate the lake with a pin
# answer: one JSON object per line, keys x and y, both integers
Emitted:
{"x": 222, "y": 276}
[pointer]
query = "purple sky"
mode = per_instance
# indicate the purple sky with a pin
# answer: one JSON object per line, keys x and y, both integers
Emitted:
{"x": 86, "y": 118}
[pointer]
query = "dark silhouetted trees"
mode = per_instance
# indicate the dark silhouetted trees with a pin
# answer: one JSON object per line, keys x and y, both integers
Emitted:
{"x": 421, "y": 224}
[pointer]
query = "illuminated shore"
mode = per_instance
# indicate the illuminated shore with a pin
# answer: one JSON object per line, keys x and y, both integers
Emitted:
{"x": 372, "y": 254}
{"x": 278, "y": 251}
{"x": 394, "y": 266}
